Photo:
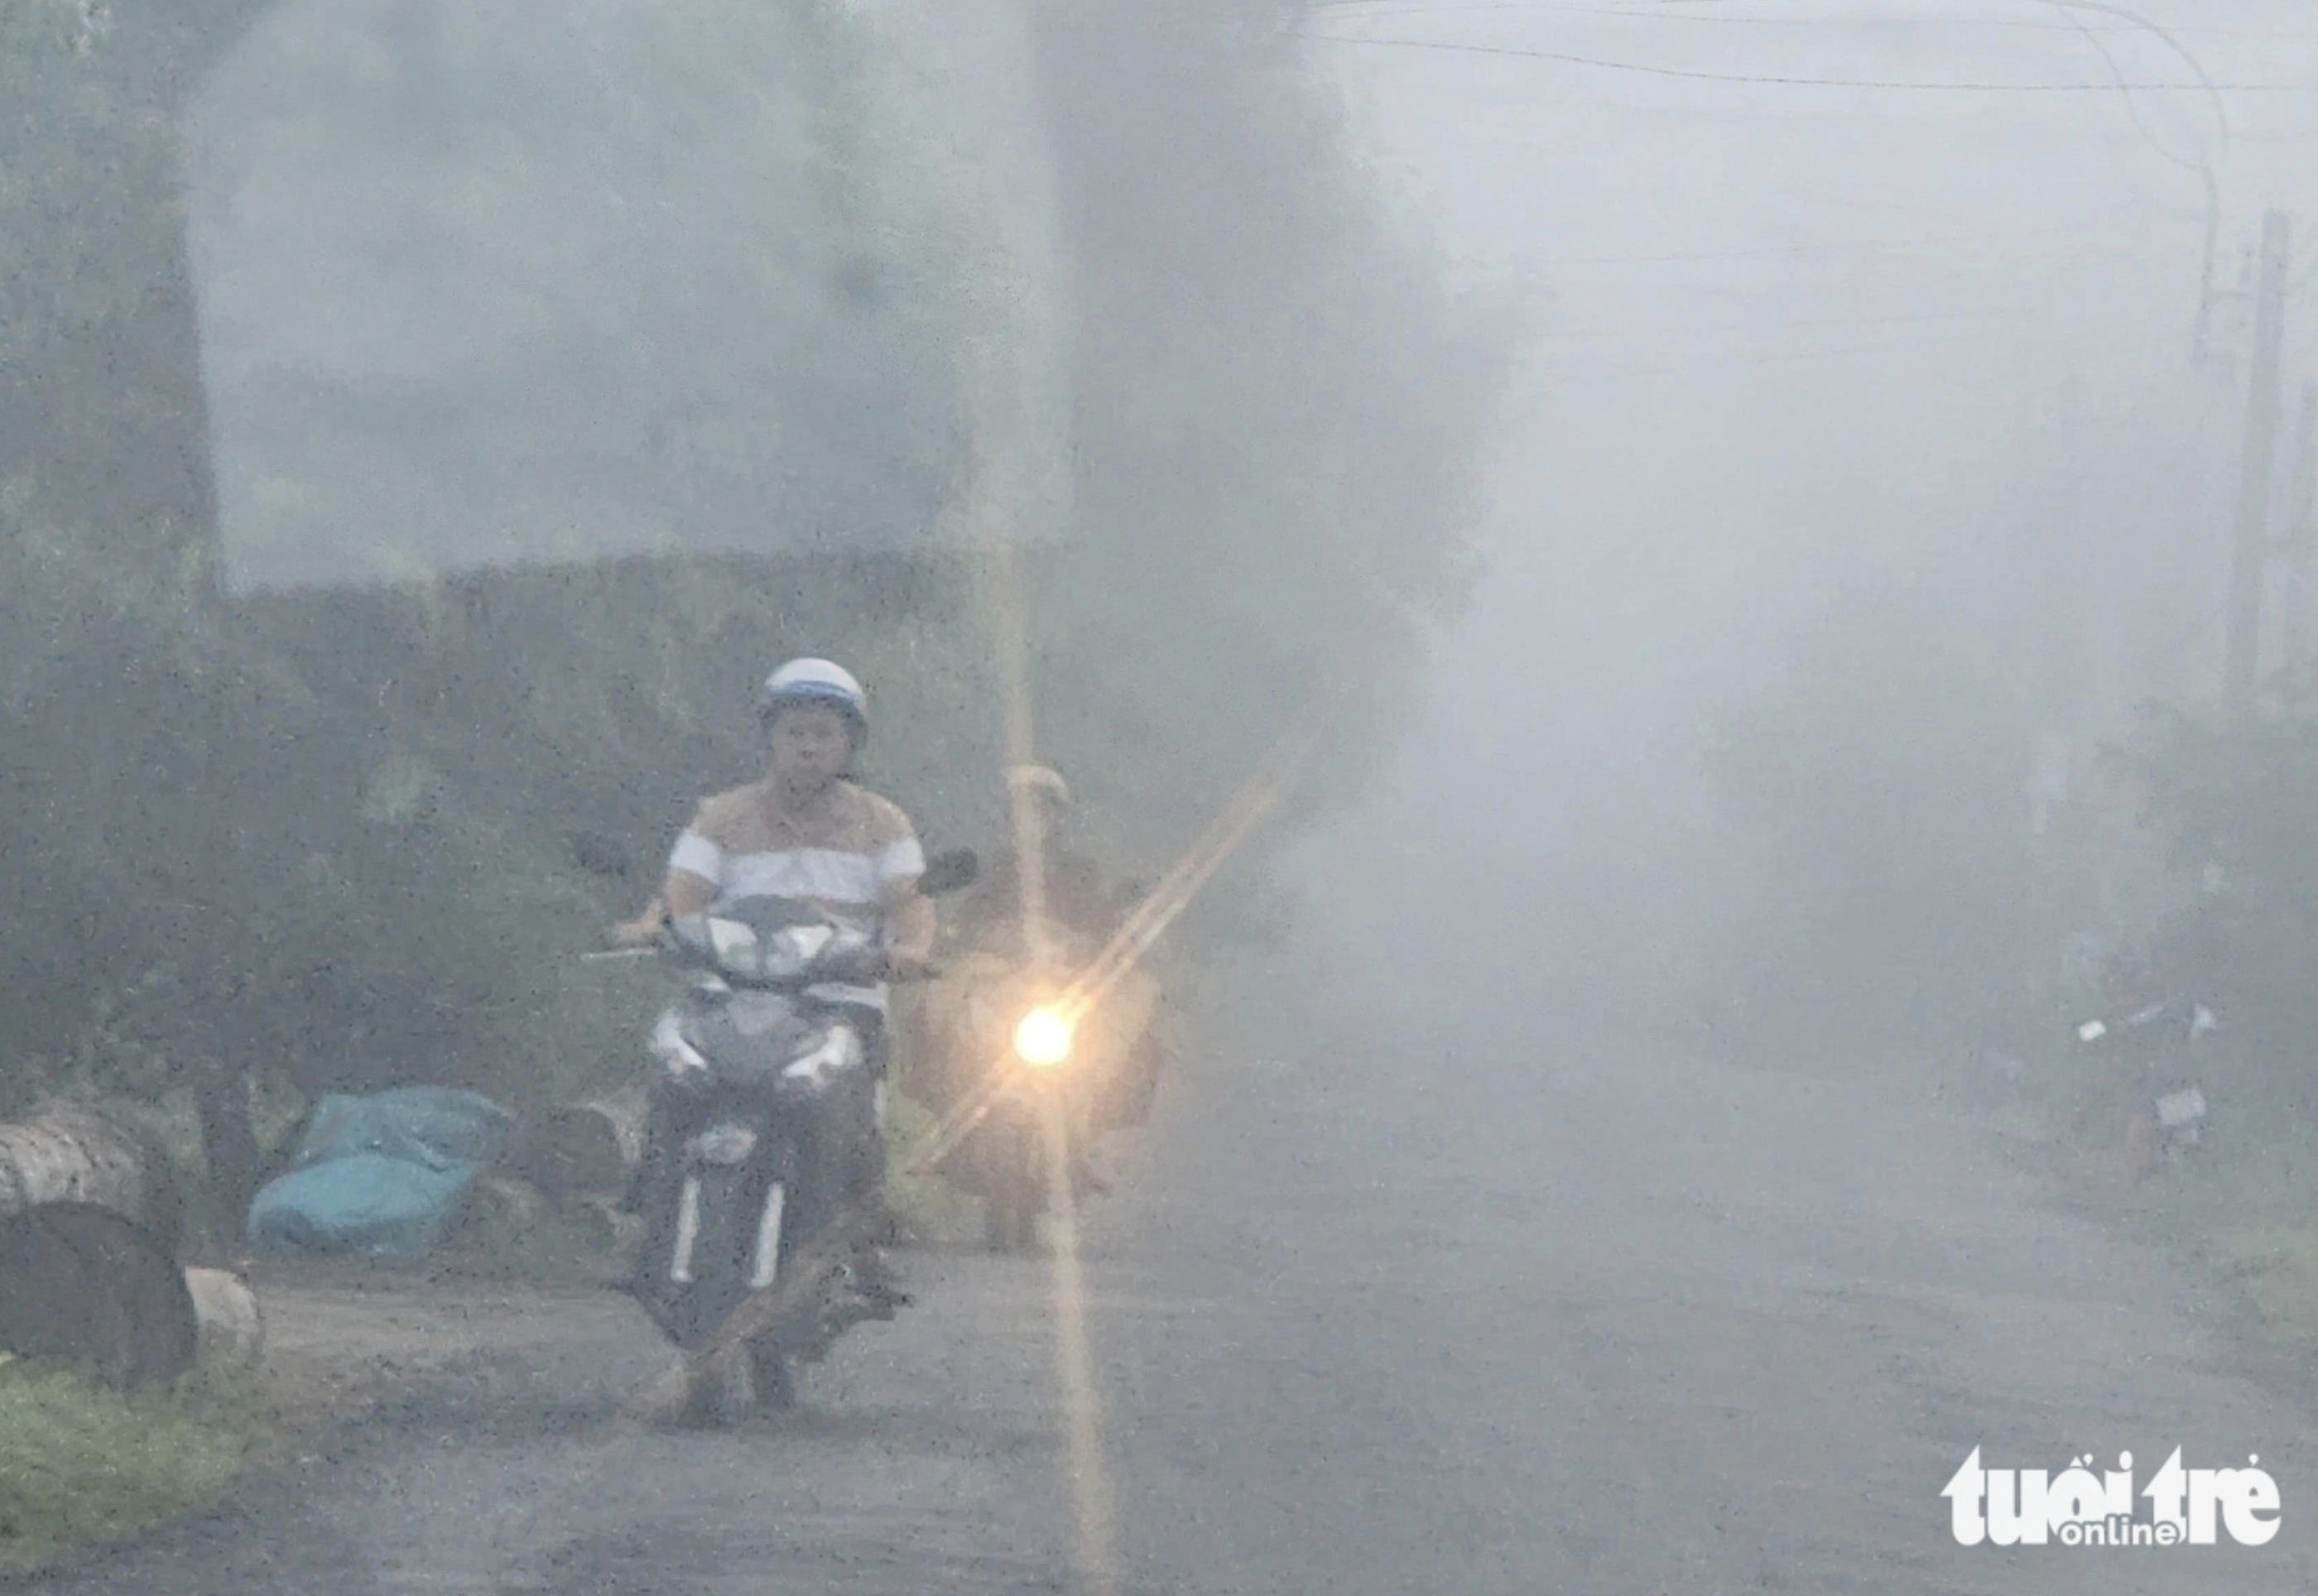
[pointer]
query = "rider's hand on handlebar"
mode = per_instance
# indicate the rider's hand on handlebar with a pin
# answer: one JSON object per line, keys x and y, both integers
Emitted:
{"x": 643, "y": 931}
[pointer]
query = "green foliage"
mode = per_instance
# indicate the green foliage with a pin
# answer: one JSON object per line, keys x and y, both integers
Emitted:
{"x": 107, "y": 1052}
{"x": 80, "y": 1464}
{"x": 1282, "y": 423}
{"x": 929, "y": 1208}
{"x": 337, "y": 838}
{"x": 2236, "y": 799}
{"x": 1876, "y": 797}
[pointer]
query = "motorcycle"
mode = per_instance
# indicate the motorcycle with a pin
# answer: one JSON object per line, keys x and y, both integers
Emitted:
{"x": 744, "y": 1243}
{"x": 1028, "y": 1026}
{"x": 2162, "y": 1048}
{"x": 1038, "y": 1072}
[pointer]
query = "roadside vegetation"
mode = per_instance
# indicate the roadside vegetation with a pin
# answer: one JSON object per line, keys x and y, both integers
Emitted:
{"x": 83, "y": 1464}
{"x": 1900, "y": 900}
{"x": 265, "y": 844}
{"x": 261, "y": 844}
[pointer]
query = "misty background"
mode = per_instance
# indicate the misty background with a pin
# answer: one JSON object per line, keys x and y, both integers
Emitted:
{"x": 424, "y": 426}
{"x": 1757, "y": 459}
{"x": 1753, "y": 482}
{"x": 478, "y": 291}
{"x": 1879, "y": 386}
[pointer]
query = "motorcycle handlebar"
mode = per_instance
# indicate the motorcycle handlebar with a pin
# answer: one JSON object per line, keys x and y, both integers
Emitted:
{"x": 904, "y": 975}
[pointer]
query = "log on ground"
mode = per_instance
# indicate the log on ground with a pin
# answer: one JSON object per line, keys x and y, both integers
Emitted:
{"x": 80, "y": 1284}
{"x": 586, "y": 1149}
{"x": 68, "y": 1152}
{"x": 231, "y": 1326}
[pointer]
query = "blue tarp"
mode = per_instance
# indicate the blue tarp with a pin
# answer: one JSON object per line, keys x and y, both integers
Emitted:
{"x": 379, "y": 1176}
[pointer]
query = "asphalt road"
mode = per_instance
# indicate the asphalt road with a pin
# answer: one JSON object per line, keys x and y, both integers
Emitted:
{"x": 1376, "y": 1324}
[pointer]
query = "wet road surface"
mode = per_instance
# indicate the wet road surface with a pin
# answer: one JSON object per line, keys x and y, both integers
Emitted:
{"x": 1387, "y": 1324}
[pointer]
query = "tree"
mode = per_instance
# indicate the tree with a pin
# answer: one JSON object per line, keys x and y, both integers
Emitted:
{"x": 2235, "y": 799}
{"x": 333, "y": 838}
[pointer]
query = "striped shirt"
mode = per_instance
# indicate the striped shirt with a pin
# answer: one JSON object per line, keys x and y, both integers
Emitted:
{"x": 850, "y": 857}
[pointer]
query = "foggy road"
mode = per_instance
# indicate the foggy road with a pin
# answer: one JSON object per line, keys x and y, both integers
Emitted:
{"x": 1395, "y": 1324}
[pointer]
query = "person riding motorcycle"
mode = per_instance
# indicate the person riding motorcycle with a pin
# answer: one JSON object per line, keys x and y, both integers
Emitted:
{"x": 806, "y": 830}
{"x": 991, "y": 932}
{"x": 1076, "y": 903}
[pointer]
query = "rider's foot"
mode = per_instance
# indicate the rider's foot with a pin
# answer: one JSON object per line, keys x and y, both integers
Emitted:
{"x": 875, "y": 1278}
{"x": 864, "y": 1288}
{"x": 885, "y": 1228}
{"x": 697, "y": 1404}
{"x": 771, "y": 1385}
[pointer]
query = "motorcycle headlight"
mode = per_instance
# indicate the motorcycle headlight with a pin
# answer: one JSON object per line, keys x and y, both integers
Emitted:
{"x": 1042, "y": 1037}
{"x": 794, "y": 948}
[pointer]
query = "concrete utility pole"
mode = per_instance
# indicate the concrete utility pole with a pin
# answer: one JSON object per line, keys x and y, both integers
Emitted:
{"x": 2243, "y": 664}
{"x": 2295, "y": 618}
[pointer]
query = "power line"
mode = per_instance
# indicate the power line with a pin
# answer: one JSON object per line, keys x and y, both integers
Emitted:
{"x": 1986, "y": 314}
{"x": 1372, "y": 8}
{"x": 1693, "y": 363}
{"x": 1914, "y": 249}
{"x": 1699, "y": 355}
{"x": 1777, "y": 80}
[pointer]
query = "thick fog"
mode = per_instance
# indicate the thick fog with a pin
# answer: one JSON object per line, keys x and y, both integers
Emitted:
{"x": 1565, "y": 553}
{"x": 478, "y": 292}
{"x": 1800, "y": 347}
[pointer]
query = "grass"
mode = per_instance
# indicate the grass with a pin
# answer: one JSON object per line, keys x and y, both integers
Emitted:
{"x": 930, "y": 1207}
{"x": 81, "y": 1465}
{"x": 2240, "y": 1208}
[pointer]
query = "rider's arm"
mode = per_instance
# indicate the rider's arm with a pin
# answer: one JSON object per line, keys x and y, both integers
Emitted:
{"x": 680, "y": 894}
{"x": 908, "y": 914}
{"x": 690, "y": 886}
{"x": 910, "y": 925}
{"x": 641, "y": 930}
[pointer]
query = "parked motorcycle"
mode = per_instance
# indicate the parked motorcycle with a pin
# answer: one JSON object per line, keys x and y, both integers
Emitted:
{"x": 743, "y": 1243}
{"x": 2162, "y": 1049}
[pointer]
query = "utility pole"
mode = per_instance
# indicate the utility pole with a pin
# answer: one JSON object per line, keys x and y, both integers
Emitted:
{"x": 2206, "y": 271}
{"x": 2295, "y": 611}
{"x": 2243, "y": 664}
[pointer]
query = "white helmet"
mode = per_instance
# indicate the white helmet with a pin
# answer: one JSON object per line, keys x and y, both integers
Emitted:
{"x": 815, "y": 681}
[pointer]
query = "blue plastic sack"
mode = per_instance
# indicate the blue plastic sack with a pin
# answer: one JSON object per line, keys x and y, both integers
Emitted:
{"x": 379, "y": 1176}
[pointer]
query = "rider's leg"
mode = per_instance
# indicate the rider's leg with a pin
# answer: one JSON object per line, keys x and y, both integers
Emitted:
{"x": 855, "y": 1165}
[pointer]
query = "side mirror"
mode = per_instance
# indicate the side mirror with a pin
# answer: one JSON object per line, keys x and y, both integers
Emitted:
{"x": 949, "y": 872}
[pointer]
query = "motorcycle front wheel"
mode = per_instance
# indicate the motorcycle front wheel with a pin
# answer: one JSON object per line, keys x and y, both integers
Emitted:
{"x": 772, "y": 1383}
{"x": 1009, "y": 1214}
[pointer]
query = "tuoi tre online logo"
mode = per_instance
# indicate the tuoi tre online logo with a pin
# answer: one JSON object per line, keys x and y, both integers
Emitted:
{"x": 2191, "y": 1507}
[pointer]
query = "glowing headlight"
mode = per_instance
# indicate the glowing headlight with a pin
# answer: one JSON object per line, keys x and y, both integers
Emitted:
{"x": 1042, "y": 1038}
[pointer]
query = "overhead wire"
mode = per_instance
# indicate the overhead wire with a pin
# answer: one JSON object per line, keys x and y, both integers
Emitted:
{"x": 1373, "y": 9}
{"x": 1797, "y": 324}
{"x": 1693, "y": 360}
{"x": 1890, "y": 249}
{"x": 1788, "y": 81}
{"x": 2188, "y": 57}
